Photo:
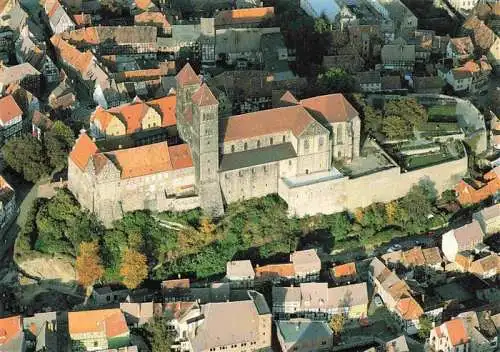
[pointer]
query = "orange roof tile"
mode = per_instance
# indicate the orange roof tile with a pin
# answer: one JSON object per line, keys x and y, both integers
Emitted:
{"x": 9, "y": 328}
{"x": 82, "y": 19}
{"x": 275, "y": 270}
{"x": 175, "y": 283}
{"x": 110, "y": 321}
{"x": 409, "y": 308}
{"x": 74, "y": 57}
{"x": 166, "y": 107}
{"x": 144, "y": 4}
{"x": 260, "y": 123}
{"x": 289, "y": 98}
{"x": 204, "y": 96}
{"x": 187, "y": 76}
{"x": 456, "y": 332}
{"x": 102, "y": 116}
{"x": 132, "y": 114}
{"x": 83, "y": 149}
{"x": 178, "y": 309}
{"x": 333, "y": 107}
{"x": 414, "y": 257}
{"x": 348, "y": 269}
{"x": 9, "y": 109}
{"x": 244, "y": 16}
{"x": 151, "y": 159}
{"x": 180, "y": 155}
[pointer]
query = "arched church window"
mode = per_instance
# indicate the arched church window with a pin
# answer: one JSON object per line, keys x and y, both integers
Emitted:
{"x": 245, "y": 146}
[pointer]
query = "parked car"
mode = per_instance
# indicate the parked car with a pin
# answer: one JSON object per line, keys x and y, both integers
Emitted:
{"x": 394, "y": 248}
{"x": 378, "y": 301}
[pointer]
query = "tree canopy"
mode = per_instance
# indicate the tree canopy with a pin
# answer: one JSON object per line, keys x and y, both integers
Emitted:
{"x": 26, "y": 156}
{"x": 335, "y": 80}
{"x": 88, "y": 263}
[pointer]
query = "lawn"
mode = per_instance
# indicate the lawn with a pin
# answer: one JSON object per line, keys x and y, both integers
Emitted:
{"x": 439, "y": 128}
{"x": 442, "y": 110}
{"x": 418, "y": 161}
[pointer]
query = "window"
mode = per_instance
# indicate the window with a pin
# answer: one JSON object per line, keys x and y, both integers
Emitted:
{"x": 289, "y": 163}
{"x": 253, "y": 170}
{"x": 307, "y": 171}
{"x": 271, "y": 140}
{"x": 284, "y": 139}
{"x": 306, "y": 145}
{"x": 232, "y": 149}
{"x": 258, "y": 144}
{"x": 240, "y": 173}
{"x": 321, "y": 141}
{"x": 245, "y": 146}
{"x": 96, "y": 343}
{"x": 323, "y": 342}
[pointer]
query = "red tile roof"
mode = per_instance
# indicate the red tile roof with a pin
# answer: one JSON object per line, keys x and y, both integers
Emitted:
{"x": 348, "y": 269}
{"x": 83, "y": 149}
{"x": 9, "y": 329}
{"x": 187, "y": 76}
{"x": 275, "y": 270}
{"x": 152, "y": 17}
{"x": 180, "y": 156}
{"x": 9, "y": 109}
{"x": 132, "y": 115}
{"x": 175, "y": 283}
{"x": 260, "y": 123}
{"x": 333, "y": 107}
{"x": 204, "y": 96}
{"x": 457, "y": 332}
{"x": 110, "y": 321}
{"x": 166, "y": 107}
{"x": 409, "y": 308}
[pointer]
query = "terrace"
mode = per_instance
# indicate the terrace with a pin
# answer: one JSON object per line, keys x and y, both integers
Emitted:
{"x": 372, "y": 159}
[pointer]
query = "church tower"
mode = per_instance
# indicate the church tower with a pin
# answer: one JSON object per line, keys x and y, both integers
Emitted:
{"x": 198, "y": 124}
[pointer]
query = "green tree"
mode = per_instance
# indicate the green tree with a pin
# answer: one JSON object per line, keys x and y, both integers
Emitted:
{"x": 158, "y": 334}
{"x": 372, "y": 119}
{"x": 335, "y": 80}
{"x": 337, "y": 323}
{"x": 396, "y": 127}
{"x": 25, "y": 155}
{"x": 322, "y": 25}
{"x": 58, "y": 142}
{"x": 408, "y": 109}
{"x": 425, "y": 326}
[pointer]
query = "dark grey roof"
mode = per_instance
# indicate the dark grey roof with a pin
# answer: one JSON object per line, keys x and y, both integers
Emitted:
{"x": 273, "y": 153}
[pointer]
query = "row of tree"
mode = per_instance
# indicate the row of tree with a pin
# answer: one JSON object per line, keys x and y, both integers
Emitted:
{"x": 258, "y": 229}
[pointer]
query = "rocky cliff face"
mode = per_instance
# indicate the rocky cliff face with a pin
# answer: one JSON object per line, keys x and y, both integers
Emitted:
{"x": 48, "y": 268}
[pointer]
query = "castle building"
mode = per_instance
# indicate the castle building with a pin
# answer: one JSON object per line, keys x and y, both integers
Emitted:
{"x": 288, "y": 150}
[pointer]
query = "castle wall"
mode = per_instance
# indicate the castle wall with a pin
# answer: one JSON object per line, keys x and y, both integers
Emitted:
{"x": 79, "y": 183}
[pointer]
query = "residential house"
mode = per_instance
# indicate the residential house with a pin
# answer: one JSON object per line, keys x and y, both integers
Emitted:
{"x": 184, "y": 320}
{"x": 459, "y": 79}
{"x": 462, "y": 239}
{"x": 349, "y": 61}
{"x": 405, "y": 22}
{"x": 463, "y": 5}
{"x": 489, "y": 219}
{"x": 138, "y": 314}
{"x": 486, "y": 267}
{"x": 175, "y": 290}
{"x": 40, "y": 123}
{"x": 369, "y": 81}
{"x": 35, "y": 55}
{"x": 316, "y": 301}
{"x": 396, "y": 295}
{"x": 154, "y": 119}
{"x": 240, "y": 273}
{"x": 398, "y": 56}
{"x": 463, "y": 261}
{"x": 155, "y": 19}
{"x": 304, "y": 335}
{"x": 239, "y": 326}
{"x": 344, "y": 273}
{"x": 398, "y": 344}
{"x": 134, "y": 41}
{"x": 98, "y": 329}
{"x": 243, "y": 17}
{"x": 481, "y": 329}
{"x": 11, "y": 119}
{"x": 184, "y": 36}
{"x": 460, "y": 49}
{"x": 82, "y": 20}
{"x": 41, "y": 331}
{"x": 23, "y": 74}
{"x": 471, "y": 77}
{"x": 11, "y": 334}
{"x": 106, "y": 295}
{"x": 474, "y": 191}
{"x": 275, "y": 273}
{"x": 482, "y": 36}
{"x": 450, "y": 336}
{"x": 306, "y": 264}
{"x": 58, "y": 19}
{"x": 63, "y": 96}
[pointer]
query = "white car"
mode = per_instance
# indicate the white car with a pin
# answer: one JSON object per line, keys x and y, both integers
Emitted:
{"x": 378, "y": 301}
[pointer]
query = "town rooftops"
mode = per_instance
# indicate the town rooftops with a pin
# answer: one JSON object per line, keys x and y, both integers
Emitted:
{"x": 246, "y": 16}
{"x": 333, "y": 107}
{"x": 17, "y": 73}
{"x": 468, "y": 235}
{"x": 414, "y": 257}
{"x": 226, "y": 324}
{"x": 409, "y": 309}
{"x": 397, "y": 345}
{"x": 11, "y": 334}
{"x": 456, "y": 330}
{"x": 302, "y": 330}
{"x": 490, "y": 212}
{"x": 71, "y": 55}
{"x": 490, "y": 263}
{"x": 110, "y": 322}
{"x": 9, "y": 110}
{"x": 180, "y": 309}
{"x": 240, "y": 269}
{"x": 462, "y": 45}
{"x": 152, "y": 17}
{"x": 121, "y": 35}
{"x": 432, "y": 256}
{"x": 305, "y": 261}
